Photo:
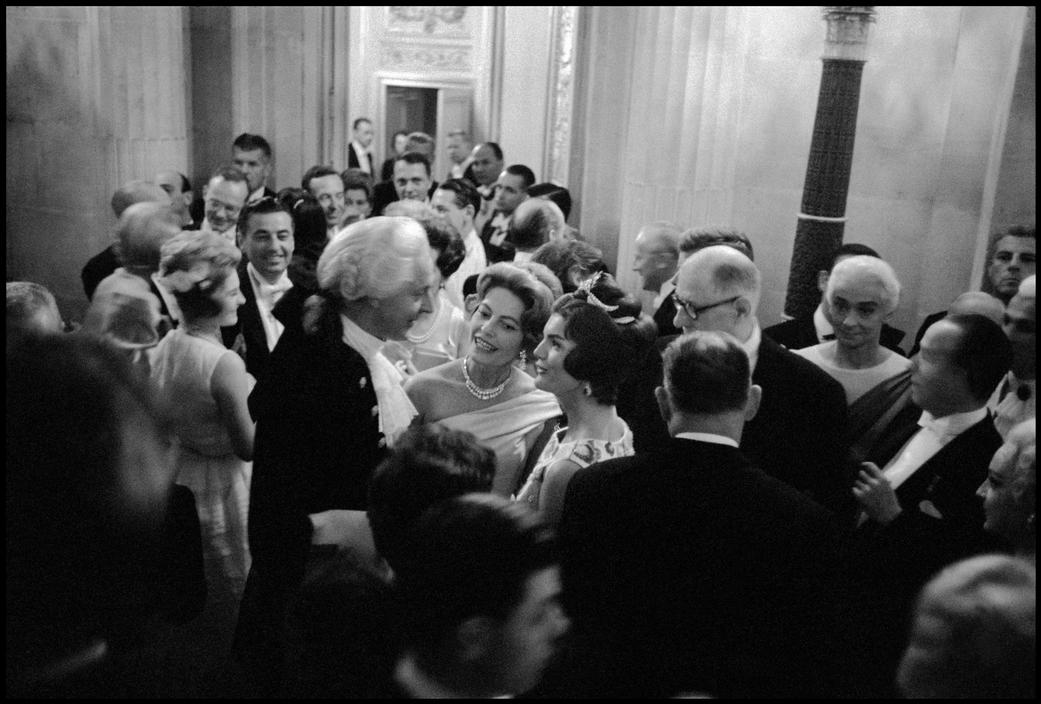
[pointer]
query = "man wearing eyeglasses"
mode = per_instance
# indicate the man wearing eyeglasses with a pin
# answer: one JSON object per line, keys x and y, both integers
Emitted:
{"x": 796, "y": 435}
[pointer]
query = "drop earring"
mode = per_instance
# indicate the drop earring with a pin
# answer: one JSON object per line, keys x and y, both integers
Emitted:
{"x": 523, "y": 356}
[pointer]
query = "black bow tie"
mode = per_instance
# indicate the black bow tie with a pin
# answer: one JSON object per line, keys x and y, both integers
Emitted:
{"x": 1023, "y": 392}
{"x": 829, "y": 336}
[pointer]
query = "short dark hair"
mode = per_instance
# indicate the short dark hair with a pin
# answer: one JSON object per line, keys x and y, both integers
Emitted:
{"x": 852, "y": 249}
{"x": 317, "y": 171}
{"x": 561, "y": 256}
{"x": 984, "y": 352}
{"x": 695, "y": 238}
{"x": 526, "y": 174}
{"x": 496, "y": 149}
{"x": 360, "y": 120}
{"x": 445, "y": 240}
{"x": 707, "y": 373}
{"x": 310, "y": 229}
{"x": 534, "y": 294}
{"x": 607, "y": 343}
{"x": 357, "y": 180}
{"x": 415, "y": 158}
{"x": 470, "y": 284}
{"x": 248, "y": 142}
{"x": 468, "y": 556}
{"x": 464, "y": 193}
{"x": 428, "y": 464}
{"x": 558, "y": 194}
{"x": 264, "y": 206}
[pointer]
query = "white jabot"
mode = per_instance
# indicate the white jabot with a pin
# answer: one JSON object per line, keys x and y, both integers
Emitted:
{"x": 821, "y": 324}
{"x": 935, "y": 433}
{"x": 267, "y": 295}
{"x": 395, "y": 409}
{"x": 708, "y": 437}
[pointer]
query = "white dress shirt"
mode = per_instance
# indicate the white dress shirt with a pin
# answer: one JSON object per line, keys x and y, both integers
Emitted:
{"x": 267, "y": 295}
{"x": 474, "y": 262}
{"x": 1009, "y": 406}
{"x": 363, "y": 157}
{"x": 934, "y": 434}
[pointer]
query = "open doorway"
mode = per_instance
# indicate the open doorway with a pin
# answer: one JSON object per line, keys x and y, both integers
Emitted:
{"x": 436, "y": 109}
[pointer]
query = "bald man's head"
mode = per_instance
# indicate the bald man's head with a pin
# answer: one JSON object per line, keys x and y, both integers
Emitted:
{"x": 718, "y": 288}
{"x": 142, "y": 230}
{"x": 136, "y": 192}
{"x": 978, "y": 303}
{"x": 657, "y": 253}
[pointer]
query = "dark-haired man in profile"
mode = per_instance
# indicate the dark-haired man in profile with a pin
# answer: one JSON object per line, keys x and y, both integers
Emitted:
{"x": 687, "y": 568}
{"x": 480, "y": 588}
{"x": 511, "y": 190}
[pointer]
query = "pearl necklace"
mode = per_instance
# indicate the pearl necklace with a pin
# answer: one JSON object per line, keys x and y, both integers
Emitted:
{"x": 476, "y": 391}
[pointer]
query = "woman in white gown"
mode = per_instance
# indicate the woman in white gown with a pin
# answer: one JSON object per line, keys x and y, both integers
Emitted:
{"x": 486, "y": 393}
{"x": 205, "y": 386}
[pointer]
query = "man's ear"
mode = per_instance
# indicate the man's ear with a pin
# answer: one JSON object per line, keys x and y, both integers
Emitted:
{"x": 474, "y": 638}
{"x": 205, "y": 188}
{"x": 822, "y": 281}
{"x": 755, "y": 397}
{"x": 743, "y": 306}
{"x": 661, "y": 395}
{"x": 574, "y": 273}
{"x": 187, "y": 197}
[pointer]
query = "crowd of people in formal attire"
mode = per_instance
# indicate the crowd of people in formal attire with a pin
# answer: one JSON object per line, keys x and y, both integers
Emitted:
{"x": 382, "y": 436}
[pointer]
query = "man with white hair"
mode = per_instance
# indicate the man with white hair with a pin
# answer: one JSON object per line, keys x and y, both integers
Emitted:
{"x": 1009, "y": 492}
{"x": 861, "y": 294}
{"x": 1015, "y": 399}
{"x": 797, "y": 434}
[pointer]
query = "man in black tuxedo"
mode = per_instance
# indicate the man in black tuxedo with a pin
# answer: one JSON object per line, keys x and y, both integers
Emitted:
{"x": 918, "y": 492}
{"x": 797, "y": 333}
{"x": 266, "y": 236}
{"x": 386, "y": 192}
{"x": 358, "y": 155}
{"x": 656, "y": 261}
{"x": 687, "y": 569}
{"x": 797, "y": 434}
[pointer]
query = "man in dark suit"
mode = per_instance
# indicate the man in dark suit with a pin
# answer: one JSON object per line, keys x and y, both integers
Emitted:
{"x": 656, "y": 261}
{"x": 688, "y": 569}
{"x": 511, "y": 190}
{"x": 251, "y": 154}
{"x": 386, "y": 192}
{"x": 797, "y": 333}
{"x": 796, "y": 436}
{"x": 266, "y": 236}
{"x": 918, "y": 492}
{"x": 359, "y": 156}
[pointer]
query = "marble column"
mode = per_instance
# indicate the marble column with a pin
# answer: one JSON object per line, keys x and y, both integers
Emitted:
{"x": 96, "y": 96}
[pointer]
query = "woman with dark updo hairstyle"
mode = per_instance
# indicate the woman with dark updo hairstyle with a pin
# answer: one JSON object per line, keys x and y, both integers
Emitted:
{"x": 588, "y": 348}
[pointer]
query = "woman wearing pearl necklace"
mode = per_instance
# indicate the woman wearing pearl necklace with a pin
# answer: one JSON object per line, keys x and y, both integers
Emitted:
{"x": 486, "y": 393}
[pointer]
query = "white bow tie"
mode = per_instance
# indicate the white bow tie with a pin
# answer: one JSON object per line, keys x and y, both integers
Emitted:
{"x": 936, "y": 427}
{"x": 272, "y": 292}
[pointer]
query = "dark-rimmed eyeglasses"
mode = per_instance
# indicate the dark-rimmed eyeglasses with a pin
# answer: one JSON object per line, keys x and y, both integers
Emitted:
{"x": 694, "y": 311}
